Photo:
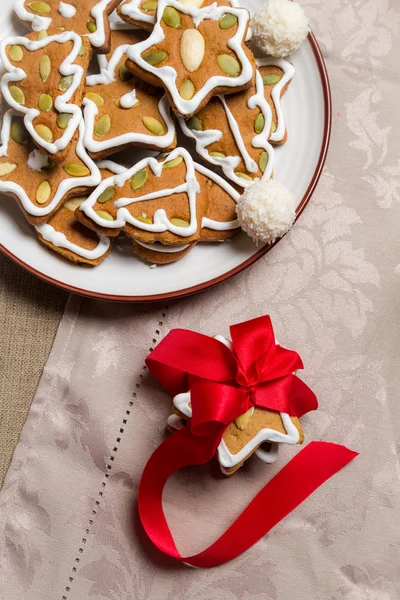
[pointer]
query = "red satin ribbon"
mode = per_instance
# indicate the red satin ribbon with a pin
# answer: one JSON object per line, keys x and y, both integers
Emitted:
{"x": 223, "y": 385}
{"x": 309, "y": 469}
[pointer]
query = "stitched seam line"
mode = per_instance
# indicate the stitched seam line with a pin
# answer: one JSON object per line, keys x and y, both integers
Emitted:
{"x": 111, "y": 459}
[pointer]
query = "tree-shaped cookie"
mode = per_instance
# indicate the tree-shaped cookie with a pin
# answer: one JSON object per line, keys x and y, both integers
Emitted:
{"x": 88, "y": 18}
{"x": 258, "y": 431}
{"x": 142, "y": 13}
{"x": 218, "y": 223}
{"x": 40, "y": 185}
{"x": 195, "y": 53}
{"x": 277, "y": 74}
{"x": 232, "y": 132}
{"x": 70, "y": 239}
{"x": 120, "y": 111}
{"x": 45, "y": 80}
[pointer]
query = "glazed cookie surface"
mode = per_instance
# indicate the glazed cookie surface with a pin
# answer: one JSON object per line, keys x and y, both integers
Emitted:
{"x": 45, "y": 80}
{"x": 195, "y": 53}
{"x": 87, "y": 18}
{"x": 122, "y": 112}
{"x": 40, "y": 185}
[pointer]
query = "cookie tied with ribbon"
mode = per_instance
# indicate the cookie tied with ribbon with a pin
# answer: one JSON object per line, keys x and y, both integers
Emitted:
{"x": 226, "y": 381}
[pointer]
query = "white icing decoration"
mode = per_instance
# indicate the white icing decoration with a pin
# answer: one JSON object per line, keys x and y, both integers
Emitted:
{"x": 38, "y": 23}
{"x": 65, "y": 186}
{"x": 168, "y": 74}
{"x": 226, "y": 458}
{"x": 106, "y": 76}
{"x": 66, "y": 10}
{"x": 62, "y": 102}
{"x": 288, "y": 74}
{"x": 60, "y": 240}
{"x": 211, "y": 223}
{"x": 228, "y": 164}
{"x": 268, "y": 456}
{"x": 158, "y": 247}
{"x": 161, "y": 222}
{"x": 38, "y": 160}
{"x": 129, "y": 99}
{"x": 112, "y": 166}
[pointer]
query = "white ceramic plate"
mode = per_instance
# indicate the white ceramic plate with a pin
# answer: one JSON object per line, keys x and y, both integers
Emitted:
{"x": 123, "y": 276}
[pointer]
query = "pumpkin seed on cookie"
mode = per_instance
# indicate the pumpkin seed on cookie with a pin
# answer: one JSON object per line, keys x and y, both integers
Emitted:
{"x": 91, "y": 26}
{"x": 106, "y": 196}
{"x": 195, "y": 124}
{"x": 153, "y": 125}
{"x": 19, "y": 133}
{"x": 63, "y": 119}
{"x": 171, "y": 17}
{"x": 44, "y": 132}
{"x": 271, "y": 78}
{"x": 259, "y": 123}
{"x": 139, "y": 179}
{"x": 228, "y": 21}
{"x": 180, "y": 222}
{"x": 45, "y": 102}
{"x": 104, "y": 215}
{"x": 229, "y": 65}
{"x": 263, "y": 161}
{"x": 7, "y": 168}
{"x": 43, "y": 192}
{"x": 103, "y": 126}
{"x": 173, "y": 163}
{"x": 45, "y": 67}
{"x": 16, "y": 53}
{"x": 65, "y": 83}
{"x": 17, "y": 94}
{"x": 154, "y": 57}
{"x": 42, "y": 8}
{"x": 76, "y": 170}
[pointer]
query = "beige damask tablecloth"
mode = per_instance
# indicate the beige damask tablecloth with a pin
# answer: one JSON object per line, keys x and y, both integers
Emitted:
{"x": 68, "y": 520}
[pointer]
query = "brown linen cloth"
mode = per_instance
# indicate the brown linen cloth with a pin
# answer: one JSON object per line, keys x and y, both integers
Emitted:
{"x": 68, "y": 521}
{"x": 30, "y": 311}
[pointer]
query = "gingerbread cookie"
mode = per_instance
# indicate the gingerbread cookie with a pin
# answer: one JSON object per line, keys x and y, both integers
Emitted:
{"x": 218, "y": 223}
{"x": 258, "y": 431}
{"x": 121, "y": 112}
{"x": 40, "y": 185}
{"x": 162, "y": 202}
{"x": 45, "y": 80}
{"x": 87, "y": 18}
{"x": 195, "y": 53}
{"x": 232, "y": 132}
{"x": 142, "y": 13}
{"x": 277, "y": 74}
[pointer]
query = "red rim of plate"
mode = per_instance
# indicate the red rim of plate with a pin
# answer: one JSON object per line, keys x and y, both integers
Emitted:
{"x": 212, "y": 282}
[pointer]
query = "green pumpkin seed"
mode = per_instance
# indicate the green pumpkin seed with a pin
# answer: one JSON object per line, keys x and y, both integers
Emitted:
{"x": 44, "y": 132}
{"x": 60, "y": 28}
{"x": 259, "y": 123}
{"x": 41, "y": 35}
{"x": 74, "y": 203}
{"x": 124, "y": 74}
{"x": 82, "y": 51}
{"x": 16, "y": 54}
{"x": 153, "y": 125}
{"x": 139, "y": 179}
{"x": 186, "y": 89}
{"x": 173, "y": 163}
{"x": 96, "y": 98}
{"x": 65, "y": 83}
{"x": 263, "y": 161}
{"x": 106, "y": 196}
{"x": 19, "y": 133}
{"x": 6, "y": 169}
{"x": 45, "y": 102}
{"x": 63, "y": 119}
{"x": 45, "y": 67}
{"x": 17, "y": 94}
{"x": 228, "y": 21}
{"x": 229, "y": 65}
{"x": 243, "y": 176}
{"x": 76, "y": 170}
{"x": 180, "y": 223}
{"x": 271, "y": 79}
{"x": 143, "y": 219}
{"x": 149, "y": 5}
{"x": 273, "y": 127}
{"x": 104, "y": 215}
{"x": 43, "y": 192}
{"x": 171, "y": 17}
{"x": 40, "y": 7}
{"x": 103, "y": 126}
{"x": 91, "y": 26}
{"x": 195, "y": 124}
{"x": 218, "y": 154}
{"x": 155, "y": 57}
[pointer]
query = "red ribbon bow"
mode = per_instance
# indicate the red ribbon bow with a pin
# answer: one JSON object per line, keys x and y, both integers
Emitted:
{"x": 224, "y": 385}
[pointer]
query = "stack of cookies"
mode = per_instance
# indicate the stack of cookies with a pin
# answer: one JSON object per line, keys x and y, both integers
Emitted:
{"x": 162, "y": 67}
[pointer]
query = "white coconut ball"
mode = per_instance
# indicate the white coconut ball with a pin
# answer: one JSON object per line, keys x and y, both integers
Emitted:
{"x": 279, "y": 27}
{"x": 266, "y": 211}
